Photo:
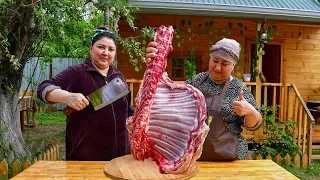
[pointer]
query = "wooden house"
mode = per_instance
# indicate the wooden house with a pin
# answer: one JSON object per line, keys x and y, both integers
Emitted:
{"x": 290, "y": 60}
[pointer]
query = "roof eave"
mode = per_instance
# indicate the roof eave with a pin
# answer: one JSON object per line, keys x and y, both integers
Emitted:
{"x": 226, "y": 11}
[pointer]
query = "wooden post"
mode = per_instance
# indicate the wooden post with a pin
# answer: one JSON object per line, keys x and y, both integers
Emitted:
{"x": 309, "y": 146}
{"x": 258, "y": 86}
{"x": 259, "y": 65}
{"x": 4, "y": 170}
{"x": 131, "y": 89}
{"x": 305, "y": 133}
{"x": 291, "y": 103}
{"x": 22, "y": 120}
{"x": 26, "y": 164}
{"x": 16, "y": 168}
{"x": 300, "y": 126}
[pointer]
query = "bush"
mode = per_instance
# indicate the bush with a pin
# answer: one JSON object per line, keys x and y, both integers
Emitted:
{"x": 280, "y": 134}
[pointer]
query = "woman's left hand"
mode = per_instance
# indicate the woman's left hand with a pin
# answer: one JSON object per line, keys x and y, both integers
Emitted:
{"x": 242, "y": 107}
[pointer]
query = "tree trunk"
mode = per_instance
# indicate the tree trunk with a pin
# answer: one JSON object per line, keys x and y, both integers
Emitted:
{"x": 12, "y": 145}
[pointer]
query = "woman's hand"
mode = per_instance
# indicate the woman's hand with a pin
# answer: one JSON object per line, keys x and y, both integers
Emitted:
{"x": 242, "y": 107}
{"x": 77, "y": 101}
{"x": 151, "y": 51}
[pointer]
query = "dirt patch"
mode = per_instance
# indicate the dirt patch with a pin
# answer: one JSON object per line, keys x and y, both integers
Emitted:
{"x": 50, "y": 133}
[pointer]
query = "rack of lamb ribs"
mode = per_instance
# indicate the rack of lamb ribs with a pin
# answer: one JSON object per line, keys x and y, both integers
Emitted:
{"x": 169, "y": 121}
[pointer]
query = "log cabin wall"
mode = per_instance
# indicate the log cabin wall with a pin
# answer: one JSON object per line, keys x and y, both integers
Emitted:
{"x": 300, "y": 58}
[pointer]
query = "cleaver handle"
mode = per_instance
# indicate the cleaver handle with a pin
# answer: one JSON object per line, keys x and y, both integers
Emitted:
{"x": 68, "y": 110}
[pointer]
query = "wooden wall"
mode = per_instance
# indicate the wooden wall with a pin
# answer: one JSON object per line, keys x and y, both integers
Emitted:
{"x": 300, "y": 59}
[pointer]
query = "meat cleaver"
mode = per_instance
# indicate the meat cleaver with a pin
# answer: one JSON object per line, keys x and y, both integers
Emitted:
{"x": 105, "y": 95}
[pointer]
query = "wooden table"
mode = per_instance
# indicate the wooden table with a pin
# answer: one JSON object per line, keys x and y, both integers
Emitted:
{"x": 239, "y": 170}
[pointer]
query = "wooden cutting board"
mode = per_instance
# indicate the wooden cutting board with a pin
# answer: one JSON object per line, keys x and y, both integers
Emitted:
{"x": 125, "y": 167}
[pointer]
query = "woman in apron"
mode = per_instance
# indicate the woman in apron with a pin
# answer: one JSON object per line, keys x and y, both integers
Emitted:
{"x": 230, "y": 104}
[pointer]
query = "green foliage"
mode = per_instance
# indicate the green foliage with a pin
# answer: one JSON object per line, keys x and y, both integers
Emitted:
{"x": 50, "y": 118}
{"x": 280, "y": 134}
{"x": 136, "y": 46}
{"x": 200, "y": 31}
{"x": 65, "y": 28}
{"x": 259, "y": 47}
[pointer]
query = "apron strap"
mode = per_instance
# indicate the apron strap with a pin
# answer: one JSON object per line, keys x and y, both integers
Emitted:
{"x": 225, "y": 88}
{"x": 202, "y": 79}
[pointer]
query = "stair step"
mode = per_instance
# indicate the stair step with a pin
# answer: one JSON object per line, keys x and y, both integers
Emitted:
{"x": 315, "y": 147}
{"x": 315, "y": 157}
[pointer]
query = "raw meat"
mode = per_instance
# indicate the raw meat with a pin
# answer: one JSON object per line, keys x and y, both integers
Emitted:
{"x": 169, "y": 122}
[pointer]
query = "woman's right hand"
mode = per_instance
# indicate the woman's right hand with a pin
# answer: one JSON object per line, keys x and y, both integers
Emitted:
{"x": 151, "y": 51}
{"x": 77, "y": 101}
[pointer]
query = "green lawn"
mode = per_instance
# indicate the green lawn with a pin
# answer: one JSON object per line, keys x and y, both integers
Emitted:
{"x": 309, "y": 173}
{"x": 50, "y": 129}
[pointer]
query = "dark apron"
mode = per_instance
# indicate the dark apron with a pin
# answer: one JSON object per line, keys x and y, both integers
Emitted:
{"x": 220, "y": 144}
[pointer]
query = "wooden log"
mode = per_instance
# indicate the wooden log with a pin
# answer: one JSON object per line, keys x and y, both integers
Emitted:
{"x": 4, "y": 170}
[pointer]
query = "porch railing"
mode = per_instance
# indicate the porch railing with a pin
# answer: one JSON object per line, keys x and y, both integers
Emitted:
{"x": 291, "y": 105}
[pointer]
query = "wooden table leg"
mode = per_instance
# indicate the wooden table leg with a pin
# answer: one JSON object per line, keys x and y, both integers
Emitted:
{"x": 28, "y": 118}
{"x": 34, "y": 121}
{"x": 22, "y": 120}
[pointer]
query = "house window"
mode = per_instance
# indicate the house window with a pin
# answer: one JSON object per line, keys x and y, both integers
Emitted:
{"x": 178, "y": 69}
{"x": 183, "y": 68}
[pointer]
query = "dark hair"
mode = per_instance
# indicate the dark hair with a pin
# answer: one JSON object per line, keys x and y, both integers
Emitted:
{"x": 104, "y": 32}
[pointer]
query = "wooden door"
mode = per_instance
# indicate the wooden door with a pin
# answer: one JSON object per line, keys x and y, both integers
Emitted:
{"x": 271, "y": 69}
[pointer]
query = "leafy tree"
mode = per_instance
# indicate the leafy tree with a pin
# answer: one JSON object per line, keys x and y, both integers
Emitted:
{"x": 46, "y": 29}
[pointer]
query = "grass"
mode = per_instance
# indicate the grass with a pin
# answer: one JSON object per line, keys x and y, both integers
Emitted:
{"x": 44, "y": 118}
{"x": 50, "y": 129}
{"x": 310, "y": 173}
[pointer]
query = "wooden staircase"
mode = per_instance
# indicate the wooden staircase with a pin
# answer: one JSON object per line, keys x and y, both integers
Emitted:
{"x": 315, "y": 147}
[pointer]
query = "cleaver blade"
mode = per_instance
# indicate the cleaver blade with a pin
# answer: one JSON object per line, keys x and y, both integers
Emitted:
{"x": 105, "y": 95}
{"x": 108, "y": 93}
